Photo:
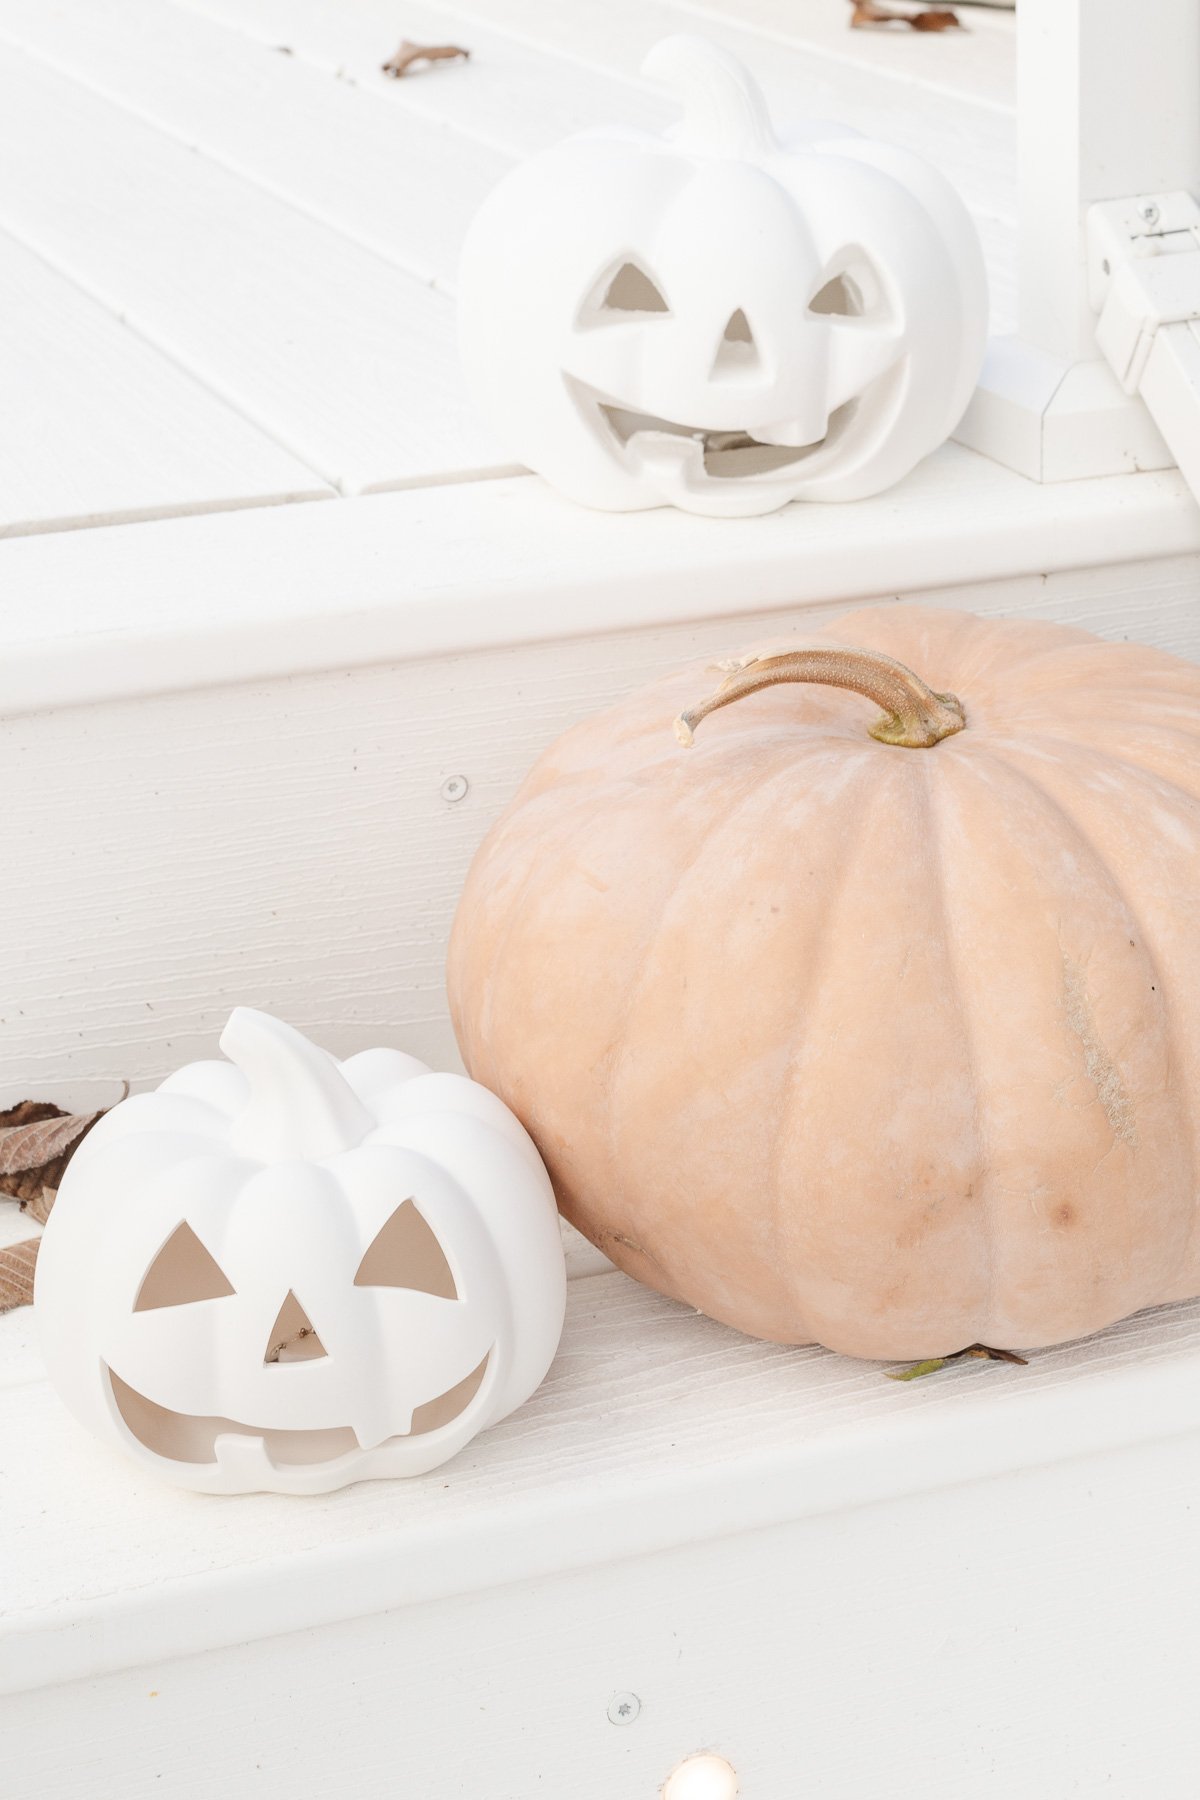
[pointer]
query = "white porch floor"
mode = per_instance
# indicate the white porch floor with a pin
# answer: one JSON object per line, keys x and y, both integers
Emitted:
{"x": 228, "y": 242}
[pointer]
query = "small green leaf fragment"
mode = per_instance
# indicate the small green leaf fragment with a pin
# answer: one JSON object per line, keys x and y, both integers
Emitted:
{"x": 914, "y": 1373}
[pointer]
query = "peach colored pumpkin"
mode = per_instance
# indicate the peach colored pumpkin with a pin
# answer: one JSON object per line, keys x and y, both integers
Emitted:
{"x": 894, "y": 1048}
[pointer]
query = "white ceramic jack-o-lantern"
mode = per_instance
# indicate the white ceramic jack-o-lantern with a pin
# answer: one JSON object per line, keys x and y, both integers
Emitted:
{"x": 720, "y": 319}
{"x": 283, "y": 1272}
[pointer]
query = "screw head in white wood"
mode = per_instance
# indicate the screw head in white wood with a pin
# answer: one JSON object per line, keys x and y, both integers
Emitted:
{"x": 623, "y": 1709}
{"x": 455, "y": 788}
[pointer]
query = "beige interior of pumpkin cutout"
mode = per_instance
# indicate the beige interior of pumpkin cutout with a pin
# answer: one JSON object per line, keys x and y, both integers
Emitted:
{"x": 405, "y": 1253}
{"x": 632, "y": 291}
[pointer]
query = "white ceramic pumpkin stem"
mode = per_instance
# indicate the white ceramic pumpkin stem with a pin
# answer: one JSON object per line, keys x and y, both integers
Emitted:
{"x": 300, "y": 1104}
{"x": 724, "y": 111}
{"x": 913, "y": 715}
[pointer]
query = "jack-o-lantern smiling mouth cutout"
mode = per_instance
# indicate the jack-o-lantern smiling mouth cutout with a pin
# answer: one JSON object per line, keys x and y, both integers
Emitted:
{"x": 718, "y": 454}
{"x": 190, "y": 1438}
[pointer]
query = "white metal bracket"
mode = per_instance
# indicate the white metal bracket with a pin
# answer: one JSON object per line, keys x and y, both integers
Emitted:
{"x": 1144, "y": 282}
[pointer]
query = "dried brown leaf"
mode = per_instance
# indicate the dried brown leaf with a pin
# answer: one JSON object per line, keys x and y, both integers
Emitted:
{"x": 984, "y": 1351}
{"x": 39, "y": 1209}
{"x": 867, "y": 14}
{"x": 37, "y": 1140}
{"x": 16, "y": 1274}
{"x": 408, "y": 55}
{"x": 989, "y": 1354}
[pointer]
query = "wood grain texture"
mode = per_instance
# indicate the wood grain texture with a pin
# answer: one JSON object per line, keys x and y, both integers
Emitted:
{"x": 99, "y": 428}
{"x": 974, "y": 144}
{"x": 655, "y": 1430}
{"x": 341, "y": 358}
{"x": 976, "y": 63}
{"x": 1009, "y": 1637}
{"x": 510, "y": 95}
{"x": 285, "y": 844}
{"x": 189, "y": 602}
{"x": 539, "y": 71}
{"x": 255, "y": 266}
{"x": 402, "y": 186}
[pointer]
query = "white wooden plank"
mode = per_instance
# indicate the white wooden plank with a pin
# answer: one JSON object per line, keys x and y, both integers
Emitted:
{"x": 285, "y": 844}
{"x": 1025, "y": 1637}
{"x": 399, "y": 184}
{"x": 1170, "y": 386}
{"x": 976, "y": 63}
{"x": 509, "y": 94}
{"x": 99, "y": 428}
{"x": 521, "y": 95}
{"x": 20, "y": 1360}
{"x": 975, "y": 145}
{"x": 656, "y": 1429}
{"x": 325, "y": 146}
{"x": 497, "y": 563}
{"x": 343, "y": 359}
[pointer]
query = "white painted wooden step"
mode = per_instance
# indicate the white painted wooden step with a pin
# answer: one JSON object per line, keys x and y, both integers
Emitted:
{"x": 559, "y": 55}
{"x": 97, "y": 425}
{"x": 344, "y": 360}
{"x": 397, "y": 185}
{"x": 976, "y": 62}
{"x": 243, "y": 190}
{"x": 243, "y": 723}
{"x": 973, "y": 142}
{"x": 984, "y": 1581}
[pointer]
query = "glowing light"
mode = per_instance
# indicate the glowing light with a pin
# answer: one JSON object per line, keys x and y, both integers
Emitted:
{"x": 702, "y": 1777}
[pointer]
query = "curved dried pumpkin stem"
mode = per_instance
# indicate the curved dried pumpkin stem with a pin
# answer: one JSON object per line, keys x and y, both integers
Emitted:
{"x": 913, "y": 715}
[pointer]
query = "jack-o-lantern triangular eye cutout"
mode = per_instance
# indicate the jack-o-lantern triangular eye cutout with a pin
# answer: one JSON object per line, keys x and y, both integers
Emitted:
{"x": 850, "y": 288}
{"x": 838, "y": 298}
{"x": 405, "y": 1253}
{"x": 182, "y": 1271}
{"x": 629, "y": 289}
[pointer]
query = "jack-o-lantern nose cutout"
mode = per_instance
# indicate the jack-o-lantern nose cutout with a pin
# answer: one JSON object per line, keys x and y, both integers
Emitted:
{"x": 182, "y": 1271}
{"x": 293, "y": 1336}
{"x": 737, "y": 353}
{"x": 405, "y": 1253}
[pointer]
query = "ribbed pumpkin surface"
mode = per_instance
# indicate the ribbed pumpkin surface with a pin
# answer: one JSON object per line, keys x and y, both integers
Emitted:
{"x": 891, "y": 1049}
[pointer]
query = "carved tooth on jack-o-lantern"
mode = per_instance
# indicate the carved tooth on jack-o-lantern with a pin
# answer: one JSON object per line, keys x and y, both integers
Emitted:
{"x": 718, "y": 319}
{"x": 283, "y": 1272}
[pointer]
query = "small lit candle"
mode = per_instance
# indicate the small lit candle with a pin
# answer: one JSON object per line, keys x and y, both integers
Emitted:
{"x": 702, "y": 1777}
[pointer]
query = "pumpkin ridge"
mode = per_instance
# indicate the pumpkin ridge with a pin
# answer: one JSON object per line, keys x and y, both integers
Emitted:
{"x": 1084, "y": 745}
{"x": 814, "y": 974}
{"x": 515, "y": 911}
{"x": 1099, "y": 860}
{"x": 977, "y": 651}
{"x": 935, "y": 839}
{"x": 1167, "y": 1009}
{"x": 752, "y": 790}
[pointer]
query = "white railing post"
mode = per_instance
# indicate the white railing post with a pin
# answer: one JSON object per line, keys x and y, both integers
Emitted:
{"x": 1108, "y": 105}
